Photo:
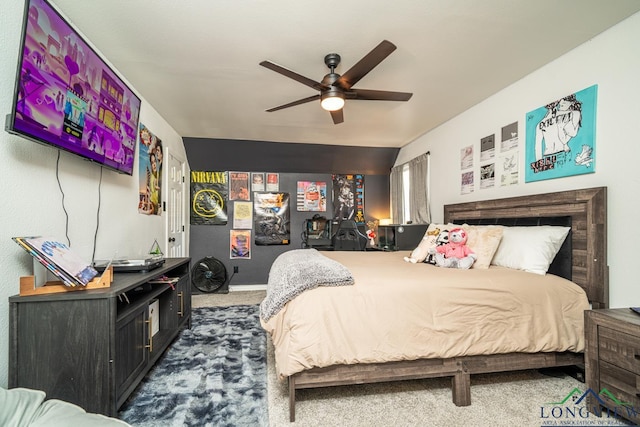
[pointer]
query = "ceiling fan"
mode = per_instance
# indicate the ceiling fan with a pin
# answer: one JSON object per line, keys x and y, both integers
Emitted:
{"x": 335, "y": 88}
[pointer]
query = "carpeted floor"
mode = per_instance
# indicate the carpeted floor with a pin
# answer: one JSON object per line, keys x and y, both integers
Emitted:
{"x": 214, "y": 374}
{"x": 225, "y": 300}
{"x": 523, "y": 398}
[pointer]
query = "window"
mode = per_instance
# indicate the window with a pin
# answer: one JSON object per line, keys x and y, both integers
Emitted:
{"x": 410, "y": 191}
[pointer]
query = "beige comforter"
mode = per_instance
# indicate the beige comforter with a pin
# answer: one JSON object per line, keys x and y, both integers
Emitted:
{"x": 402, "y": 311}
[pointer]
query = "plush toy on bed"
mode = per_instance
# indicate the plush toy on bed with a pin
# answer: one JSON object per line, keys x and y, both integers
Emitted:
{"x": 456, "y": 253}
{"x": 421, "y": 253}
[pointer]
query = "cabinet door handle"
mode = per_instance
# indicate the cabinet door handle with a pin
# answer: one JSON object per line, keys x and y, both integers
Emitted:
{"x": 149, "y": 323}
{"x": 181, "y": 311}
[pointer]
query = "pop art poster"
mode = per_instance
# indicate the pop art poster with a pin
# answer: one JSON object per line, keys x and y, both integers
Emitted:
{"x": 348, "y": 197}
{"x": 312, "y": 196}
{"x": 209, "y": 195}
{"x": 150, "y": 166}
{"x": 560, "y": 138}
{"x": 272, "y": 217}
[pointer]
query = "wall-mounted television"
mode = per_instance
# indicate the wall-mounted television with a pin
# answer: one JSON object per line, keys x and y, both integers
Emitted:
{"x": 66, "y": 96}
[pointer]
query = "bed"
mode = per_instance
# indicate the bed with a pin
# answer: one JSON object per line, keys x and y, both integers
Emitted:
{"x": 355, "y": 334}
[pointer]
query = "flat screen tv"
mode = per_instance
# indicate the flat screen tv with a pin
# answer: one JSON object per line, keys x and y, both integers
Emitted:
{"x": 66, "y": 96}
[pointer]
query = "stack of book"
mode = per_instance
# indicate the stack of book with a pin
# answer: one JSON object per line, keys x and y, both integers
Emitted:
{"x": 58, "y": 258}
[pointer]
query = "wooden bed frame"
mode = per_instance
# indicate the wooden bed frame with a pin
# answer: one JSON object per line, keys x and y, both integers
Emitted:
{"x": 587, "y": 209}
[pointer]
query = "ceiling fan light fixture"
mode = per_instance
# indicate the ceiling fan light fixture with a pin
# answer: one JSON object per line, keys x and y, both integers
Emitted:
{"x": 332, "y": 100}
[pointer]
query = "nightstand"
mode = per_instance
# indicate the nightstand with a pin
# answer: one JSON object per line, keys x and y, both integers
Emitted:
{"x": 612, "y": 362}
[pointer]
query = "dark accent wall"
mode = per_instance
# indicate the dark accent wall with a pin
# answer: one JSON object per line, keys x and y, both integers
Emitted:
{"x": 259, "y": 156}
{"x": 294, "y": 162}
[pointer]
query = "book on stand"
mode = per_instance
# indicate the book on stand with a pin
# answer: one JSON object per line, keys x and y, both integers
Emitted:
{"x": 164, "y": 280}
{"x": 58, "y": 258}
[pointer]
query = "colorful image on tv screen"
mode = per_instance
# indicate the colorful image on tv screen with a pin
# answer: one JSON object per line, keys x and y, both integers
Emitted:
{"x": 68, "y": 97}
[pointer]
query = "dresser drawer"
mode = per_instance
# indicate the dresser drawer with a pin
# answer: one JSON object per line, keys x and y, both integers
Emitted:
{"x": 623, "y": 386}
{"x": 619, "y": 349}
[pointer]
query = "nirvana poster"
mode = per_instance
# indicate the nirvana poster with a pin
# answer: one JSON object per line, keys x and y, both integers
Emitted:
{"x": 272, "y": 217}
{"x": 348, "y": 197}
{"x": 209, "y": 198}
{"x": 150, "y": 176}
{"x": 560, "y": 138}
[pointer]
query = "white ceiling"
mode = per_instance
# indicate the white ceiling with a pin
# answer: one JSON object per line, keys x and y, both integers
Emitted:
{"x": 196, "y": 61}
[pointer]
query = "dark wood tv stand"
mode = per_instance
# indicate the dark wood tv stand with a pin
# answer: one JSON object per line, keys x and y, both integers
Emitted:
{"x": 92, "y": 347}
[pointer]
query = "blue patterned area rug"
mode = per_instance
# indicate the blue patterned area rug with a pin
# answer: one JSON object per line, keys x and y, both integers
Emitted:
{"x": 214, "y": 374}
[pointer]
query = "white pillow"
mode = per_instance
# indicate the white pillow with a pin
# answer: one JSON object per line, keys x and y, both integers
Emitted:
{"x": 530, "y": 249}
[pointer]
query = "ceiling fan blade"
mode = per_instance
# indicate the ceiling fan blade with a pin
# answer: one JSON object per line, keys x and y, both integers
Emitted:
{"x": 293, "y": 75}
{"x": 294, "y": 103}
{"x": 337, "y": 116}
{"x": 366, "y": 64}
{"x": 377, "y": 95}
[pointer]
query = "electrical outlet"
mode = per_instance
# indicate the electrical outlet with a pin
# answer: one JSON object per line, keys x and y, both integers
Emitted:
{"x": 235, "y": 268}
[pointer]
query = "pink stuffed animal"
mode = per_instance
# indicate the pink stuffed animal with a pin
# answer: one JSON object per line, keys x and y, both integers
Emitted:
{"x": 456, "y": 253}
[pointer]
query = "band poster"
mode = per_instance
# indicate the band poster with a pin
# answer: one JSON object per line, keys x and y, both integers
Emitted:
{"x": 348, "y": 197}
{"x": 240, "y": 244}
{"x": 312, "y": 196}
{"x": 239, "y": 186}
{"x": 209, "y": 198}
{"x": 560, "y": 137}
{"x": 272, "y": 218}
{"x": 150, "y": 167}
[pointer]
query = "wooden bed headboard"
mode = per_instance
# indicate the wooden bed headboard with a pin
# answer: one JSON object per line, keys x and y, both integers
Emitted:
{"x": 587, "y": 209}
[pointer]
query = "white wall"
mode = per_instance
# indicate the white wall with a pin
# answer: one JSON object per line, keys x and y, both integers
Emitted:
{"x": 32, "y": 202}
{"x": 610, "y": 60}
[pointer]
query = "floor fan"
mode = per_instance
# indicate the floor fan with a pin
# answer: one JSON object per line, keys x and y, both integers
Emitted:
{"x": 209, "y": 275}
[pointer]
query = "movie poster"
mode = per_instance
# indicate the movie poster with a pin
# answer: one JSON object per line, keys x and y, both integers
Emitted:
{"x": 150, "y": 166}
{"x": 272, "y": 217}
{"x": 560, "y": 138}
{"x": 312, "y": 196}
{"x": 240, "y": 244}
{"x": 239, "y": 186}
{"x": 348, "y": 197}
{"x": 208, "y": 198}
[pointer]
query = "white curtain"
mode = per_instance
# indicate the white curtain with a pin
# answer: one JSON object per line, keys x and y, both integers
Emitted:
{"x": 420, "y": 211}
{"x": 397, "y": 198}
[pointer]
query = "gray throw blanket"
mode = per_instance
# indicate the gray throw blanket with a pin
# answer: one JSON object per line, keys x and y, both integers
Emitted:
{"x": 296, "y": 271}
